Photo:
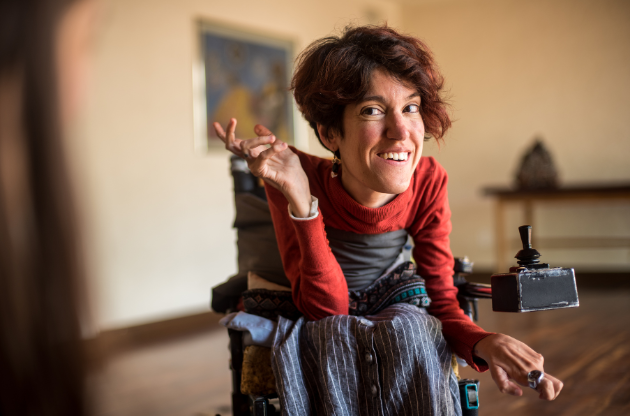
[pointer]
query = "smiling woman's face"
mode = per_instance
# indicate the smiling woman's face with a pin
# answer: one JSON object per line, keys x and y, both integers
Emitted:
{"x": 382, "y": 143}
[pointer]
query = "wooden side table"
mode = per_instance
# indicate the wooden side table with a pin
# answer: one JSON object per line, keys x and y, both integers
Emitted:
{"x": 528, "y": 200}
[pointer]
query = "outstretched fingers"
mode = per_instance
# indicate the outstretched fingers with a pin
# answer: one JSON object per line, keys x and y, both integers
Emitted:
{"x": 244, "y": 148}
{"x": 254, "y": 147}
{"x": 228, "y": 137}
{"x": 261, "y": 130}
{"x": 222, "y": 134}
{"x": 219, "y": 130}
{"x": 275, "y": 148}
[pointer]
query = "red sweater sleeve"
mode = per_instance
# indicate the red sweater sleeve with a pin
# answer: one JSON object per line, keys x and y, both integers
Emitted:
{"x": 318, "y": 286}
{"x": 430, "y": 231}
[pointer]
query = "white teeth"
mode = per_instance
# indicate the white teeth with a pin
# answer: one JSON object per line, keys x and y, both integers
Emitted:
{"x": 394, "y": 156}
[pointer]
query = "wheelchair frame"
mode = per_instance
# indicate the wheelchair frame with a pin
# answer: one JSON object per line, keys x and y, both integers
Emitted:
{"x": 242, "y": 404}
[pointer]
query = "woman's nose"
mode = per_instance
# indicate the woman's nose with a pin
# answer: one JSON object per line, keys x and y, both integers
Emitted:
{"x": 397, "y": 128}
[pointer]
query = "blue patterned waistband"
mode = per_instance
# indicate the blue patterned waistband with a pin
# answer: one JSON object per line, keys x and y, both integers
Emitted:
{"x": 401, "y": 285}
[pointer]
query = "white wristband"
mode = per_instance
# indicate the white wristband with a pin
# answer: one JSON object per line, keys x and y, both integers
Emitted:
{"x": 312, "y": 213}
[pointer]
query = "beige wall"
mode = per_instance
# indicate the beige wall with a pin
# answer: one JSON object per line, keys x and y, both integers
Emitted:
{"x": 516, "y": 69}
{"x": 158, "y": 216}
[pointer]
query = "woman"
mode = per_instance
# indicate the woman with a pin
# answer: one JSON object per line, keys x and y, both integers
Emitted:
{"x": 42, "y": 53}
{"x": 372, "y": 97}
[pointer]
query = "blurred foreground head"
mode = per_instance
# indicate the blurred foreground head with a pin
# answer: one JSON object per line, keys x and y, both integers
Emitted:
{"x": 42, "y": 52}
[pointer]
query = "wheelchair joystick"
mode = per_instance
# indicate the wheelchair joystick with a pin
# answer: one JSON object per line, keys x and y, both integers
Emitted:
{"x": 528, "y": 256}
{"x": 533, "y": 286}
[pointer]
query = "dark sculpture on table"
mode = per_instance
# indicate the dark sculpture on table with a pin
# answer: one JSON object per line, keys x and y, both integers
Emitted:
{"x": 537, "y": 170}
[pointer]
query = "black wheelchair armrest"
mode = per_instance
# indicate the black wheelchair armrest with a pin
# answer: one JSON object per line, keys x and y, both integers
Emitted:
{"x": 468, "y": 292}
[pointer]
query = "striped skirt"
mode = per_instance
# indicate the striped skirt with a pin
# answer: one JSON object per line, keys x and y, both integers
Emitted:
{"x": 393, "y": 363}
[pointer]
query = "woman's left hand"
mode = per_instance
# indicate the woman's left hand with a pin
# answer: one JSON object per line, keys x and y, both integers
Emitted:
{"x": 510, "y": 359}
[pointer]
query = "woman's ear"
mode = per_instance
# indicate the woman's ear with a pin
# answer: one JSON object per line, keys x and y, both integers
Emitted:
{"x": 330, "y": 141}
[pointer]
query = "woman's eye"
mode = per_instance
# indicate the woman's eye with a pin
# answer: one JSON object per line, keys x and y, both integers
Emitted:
{"x": 372, "y": 111}
{"x": 412, "y": 108}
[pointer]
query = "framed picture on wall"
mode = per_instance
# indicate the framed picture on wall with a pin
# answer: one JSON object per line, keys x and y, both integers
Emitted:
{"x": 244, "y": 75}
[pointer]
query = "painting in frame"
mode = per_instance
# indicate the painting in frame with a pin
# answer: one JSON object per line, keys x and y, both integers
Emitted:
{"x": 244, "y": 75}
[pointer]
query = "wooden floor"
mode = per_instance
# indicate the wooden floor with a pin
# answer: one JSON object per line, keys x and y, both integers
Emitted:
{"x": 588, "y": 348}
{"x": 187, "y": 377}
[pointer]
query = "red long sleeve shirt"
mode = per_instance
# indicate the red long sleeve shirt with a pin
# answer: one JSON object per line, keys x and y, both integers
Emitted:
{"x": 318, "y": 285}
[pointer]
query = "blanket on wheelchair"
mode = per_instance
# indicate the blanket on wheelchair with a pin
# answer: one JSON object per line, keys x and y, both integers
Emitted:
{"x": 395, "y": 362}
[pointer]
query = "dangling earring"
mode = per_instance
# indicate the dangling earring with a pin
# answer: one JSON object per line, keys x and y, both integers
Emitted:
{"x": 336, "y": 163}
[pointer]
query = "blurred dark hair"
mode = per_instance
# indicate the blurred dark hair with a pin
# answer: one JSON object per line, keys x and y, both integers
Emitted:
{"x": 41, "y": 358}
{"x": 333, "y": 72}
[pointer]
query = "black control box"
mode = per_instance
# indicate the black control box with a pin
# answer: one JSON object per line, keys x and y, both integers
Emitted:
{"x": 534, "y": 290}
{"x": 533, "y": 286}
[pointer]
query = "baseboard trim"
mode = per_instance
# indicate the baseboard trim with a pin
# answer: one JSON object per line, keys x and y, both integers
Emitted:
{"x": 113, "y": 341}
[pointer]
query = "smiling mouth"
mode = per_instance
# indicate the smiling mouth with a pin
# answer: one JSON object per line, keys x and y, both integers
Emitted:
{"x": 394, "y": 156}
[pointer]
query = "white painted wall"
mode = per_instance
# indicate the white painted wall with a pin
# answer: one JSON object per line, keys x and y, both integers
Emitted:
{"x": 516, "y": 69}
{"x": 158, "y": 216}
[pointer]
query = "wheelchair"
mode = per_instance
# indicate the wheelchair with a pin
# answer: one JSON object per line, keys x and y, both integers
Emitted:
{"x": 257, "y": 251}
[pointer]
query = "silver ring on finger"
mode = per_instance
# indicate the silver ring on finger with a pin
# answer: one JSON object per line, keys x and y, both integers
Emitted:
{"x": 534, "y": 378}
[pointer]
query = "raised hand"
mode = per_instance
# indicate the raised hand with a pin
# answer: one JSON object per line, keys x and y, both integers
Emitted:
{"x": 510, "y": 361}
{"x": 276, "y": 165}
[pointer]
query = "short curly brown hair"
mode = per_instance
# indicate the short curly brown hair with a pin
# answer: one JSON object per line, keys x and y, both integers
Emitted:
{"x": 333, "y": 72}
